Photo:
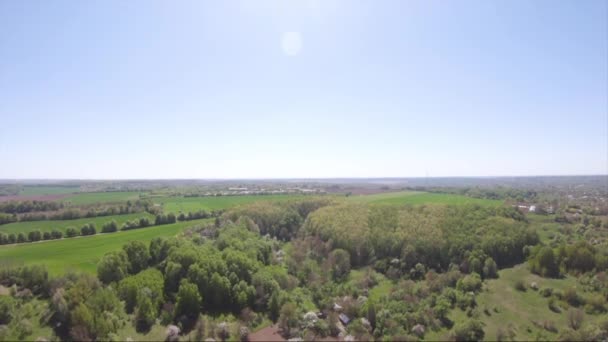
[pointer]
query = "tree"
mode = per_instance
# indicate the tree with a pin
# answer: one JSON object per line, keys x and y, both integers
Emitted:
{"x": 545, "y": 263}
{"x": 150, "y": 280}
{"x": 274, "y": 306}
{"x": 71, "y": 232}
{"x": 46, "y": 236}
{"x": 110, "y": 227}
{"x": 112, "y": 267}
{"x": 12, "y": 238}
{"x": 56, "y": 234}
{"x": 137, "y": 256}
{"x": 288, "y": 318}
{"x": 188, "y": 300}
{"x": 7, "y": 309}
{"x": 34, "y": 235}
{"x": 490, "y": 268}
{"x": 339, "y": 261}
{"x": 146, "y": 312}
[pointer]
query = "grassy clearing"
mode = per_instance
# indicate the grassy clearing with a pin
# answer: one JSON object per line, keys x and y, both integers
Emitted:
{"x": 520, "y": 308}
{"x": 416, "y": 198}
{"x": 48, "y": 190}
{"x": 186, "y": 204}
{"x": 83, "y": 253}
{"x": 49, "y": 225}
{"x": 501, "y": 306}
{"x": 101, "y": 197}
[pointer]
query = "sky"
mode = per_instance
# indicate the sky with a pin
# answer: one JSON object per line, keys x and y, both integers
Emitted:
{"x": 303, "y": 88}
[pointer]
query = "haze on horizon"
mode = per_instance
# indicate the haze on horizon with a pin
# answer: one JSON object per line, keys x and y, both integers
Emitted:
{"x": 302, "y": 89}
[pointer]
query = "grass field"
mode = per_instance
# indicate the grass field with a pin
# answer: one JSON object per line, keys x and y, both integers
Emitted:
{"x": 48, "y": 190}
{"x": 49, "y": 225}
{"x": 416, "y": 197}
{"x": 101, "y": 197}
{"x": 186, "y": 204}
{"x": 500, "y": 305}
{"x": 83, "y": 253}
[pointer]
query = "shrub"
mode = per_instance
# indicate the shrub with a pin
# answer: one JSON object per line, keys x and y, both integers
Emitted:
{"x": 469, "y": 330}
{"x": 553, "y": 306}
{"x": 575, "y": 318}
{"x": 546, "y": 292}
{"x": 520, "y": 285}
{"x": 470, "y": 283}
{"x": 71, "y": 232}
{"x": 572, "y": 297}
{"x": 596, "y": 304}
{"x": 110, "y": 227}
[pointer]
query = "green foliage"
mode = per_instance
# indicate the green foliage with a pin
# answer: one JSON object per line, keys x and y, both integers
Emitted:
{"x": 468, "y": 330}
{"x": 544, "y": 263}
{"x": 188, "y": 300}
{"x": 490, "y": 270}
{"x": 113, "y": 267}
{"x": 470, "y": 283}
{"x": 288, "y": 318}
{"x": 7, "y": 308}
{"x": 339, "y": 261}
{"x": 151, "y": 281}
{"x": 137, "y": 256}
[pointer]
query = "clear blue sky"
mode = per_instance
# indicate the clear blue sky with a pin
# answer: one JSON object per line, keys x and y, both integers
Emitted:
{"x": 288, "y": 88}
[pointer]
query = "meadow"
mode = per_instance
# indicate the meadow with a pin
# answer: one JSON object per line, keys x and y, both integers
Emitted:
{"x": 83, "y": 253}
{"x": 48, "y": 190}
{"x": 61, "y": 225}
{"x": 85, "y": 198}
{"x": 417, "y": 198}
{"x": 187, "y": 204}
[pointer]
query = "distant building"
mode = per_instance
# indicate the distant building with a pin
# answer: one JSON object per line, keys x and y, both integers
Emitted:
{"x": 532, "y": 208}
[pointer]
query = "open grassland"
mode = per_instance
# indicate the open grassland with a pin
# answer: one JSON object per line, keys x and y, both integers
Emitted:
{"x": 521, "y": 308}
{"x": 83, "y": 253}
{"x": 416, "y": 198}
{"x": 49, "y": 225}
{"x": 84, "y": 198}
{"x": 186, "y": 204}
{"x": 48, "y": 190}
{"x": 501, "y": 307}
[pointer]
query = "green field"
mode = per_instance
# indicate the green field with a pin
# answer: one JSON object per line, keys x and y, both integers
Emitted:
{"x": 49, "y": 225}
{"x": 101, "y": 197}
{"x": 416, "y": 197}
{"x": 501, "y": 306}
{"x": 83, "y": 253}
{"x": 186, "y": 204}
{"x": 48, "y": 190}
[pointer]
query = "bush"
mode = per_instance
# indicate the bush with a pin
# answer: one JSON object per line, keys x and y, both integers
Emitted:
{"x": 575, "y": 318}
{"x": 470, "y": 283}
{"x": 469, "y": 330}
{"x": 71, "y": 232}
{"x": 546, "y": 292}
{"x": 56, "y": 234}
{"x": 553, "y": 306}
{"x": 520, "y": 285}
{"x": 572, "y": 297}
{"x": 596, "y": 304}
{"x": 110, "y": 227}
